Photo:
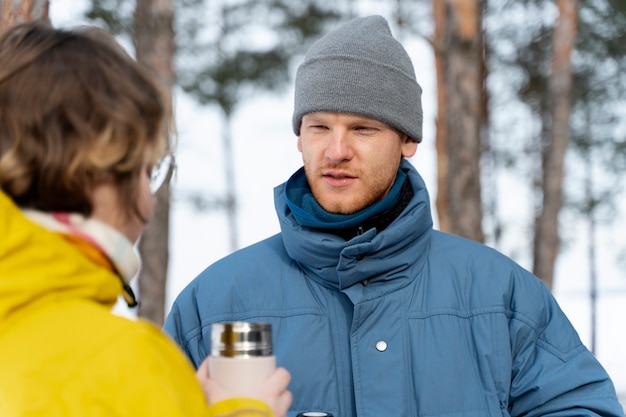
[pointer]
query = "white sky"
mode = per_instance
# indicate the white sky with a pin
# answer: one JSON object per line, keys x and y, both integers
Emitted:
{"x": 266, "y": 155}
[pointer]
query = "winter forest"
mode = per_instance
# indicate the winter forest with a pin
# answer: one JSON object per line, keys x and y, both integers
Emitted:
{"x": 524, "y": 136}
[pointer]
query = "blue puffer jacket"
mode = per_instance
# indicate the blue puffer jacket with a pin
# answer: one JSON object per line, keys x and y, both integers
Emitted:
{"x": 406, "y": 322}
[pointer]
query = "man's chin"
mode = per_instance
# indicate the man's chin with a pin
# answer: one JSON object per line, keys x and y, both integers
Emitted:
{"x": 342, "y": 207}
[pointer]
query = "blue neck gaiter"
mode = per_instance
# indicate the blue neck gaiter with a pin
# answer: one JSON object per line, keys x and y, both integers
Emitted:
{"x": 309, "y": 213}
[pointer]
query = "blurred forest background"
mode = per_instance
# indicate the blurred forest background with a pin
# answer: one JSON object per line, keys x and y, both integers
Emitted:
{"x": 525, "y": 113}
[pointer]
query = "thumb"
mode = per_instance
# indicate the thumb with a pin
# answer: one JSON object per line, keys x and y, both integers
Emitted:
{"x": 202, "y": 373}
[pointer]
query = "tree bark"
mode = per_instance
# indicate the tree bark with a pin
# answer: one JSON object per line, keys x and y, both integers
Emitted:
{"x": 13, "y": 12}
{"x": 460, "y": 79}
{"x": 546, "y": 243}
{"x": 441, "y": 146}
{"x": 154, "y": 45}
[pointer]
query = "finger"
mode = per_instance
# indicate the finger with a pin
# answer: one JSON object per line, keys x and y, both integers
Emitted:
{"x": 283, "y": 403}
{"x": 214, "y": 392}
{"x": 279, "y": 379}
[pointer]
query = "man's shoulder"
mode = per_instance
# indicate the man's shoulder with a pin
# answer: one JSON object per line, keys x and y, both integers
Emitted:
{"x": 475, "y": 260}
{"x": 265, "y": 257}
{"x": 267, "y": 251}
{"x": 456, "y": 247}
{"x": 271, "y": 246}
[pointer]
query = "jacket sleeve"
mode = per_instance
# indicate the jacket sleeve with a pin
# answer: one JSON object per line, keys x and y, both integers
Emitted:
{"x": 183, "y": 325}
{"x": 240, "y": 407}
{"x": 553, "y": 373}
{"x": 137, "y": 371}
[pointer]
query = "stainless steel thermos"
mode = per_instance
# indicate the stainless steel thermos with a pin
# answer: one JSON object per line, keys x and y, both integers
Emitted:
{"x": 241, "y": 355}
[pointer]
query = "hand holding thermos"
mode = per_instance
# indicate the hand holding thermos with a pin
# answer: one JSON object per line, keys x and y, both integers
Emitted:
{"x": 241, "y": 364}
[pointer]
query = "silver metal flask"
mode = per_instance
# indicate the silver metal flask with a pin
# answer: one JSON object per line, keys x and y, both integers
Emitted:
{"x": 241, "y": 355}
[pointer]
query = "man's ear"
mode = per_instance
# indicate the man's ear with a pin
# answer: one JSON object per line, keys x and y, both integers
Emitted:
{"x": 409, "y": 147}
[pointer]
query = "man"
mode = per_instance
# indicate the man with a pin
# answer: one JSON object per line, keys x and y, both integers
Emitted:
{"x": 374, "y": 313}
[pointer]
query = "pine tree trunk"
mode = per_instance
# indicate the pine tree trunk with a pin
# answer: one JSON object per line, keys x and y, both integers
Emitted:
{"x": 441, "y": 146}
{"x": 546, "y": 243}
{"x": 154, "y": 44}
{"x": 460, "y": 79}
{"x": 229, "y": 175}
{"x": 13, "y": 12}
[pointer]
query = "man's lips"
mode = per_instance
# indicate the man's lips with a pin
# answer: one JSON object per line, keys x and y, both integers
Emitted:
{"x": 338, "y": 178}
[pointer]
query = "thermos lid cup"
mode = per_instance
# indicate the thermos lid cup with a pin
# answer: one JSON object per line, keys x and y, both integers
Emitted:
{"x": 241, "y": 339}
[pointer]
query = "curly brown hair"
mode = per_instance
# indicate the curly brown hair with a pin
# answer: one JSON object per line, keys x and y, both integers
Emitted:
{"x": 75, "y": 110}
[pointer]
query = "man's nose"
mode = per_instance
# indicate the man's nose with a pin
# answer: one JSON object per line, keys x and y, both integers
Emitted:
{"x": 339, "y": 147}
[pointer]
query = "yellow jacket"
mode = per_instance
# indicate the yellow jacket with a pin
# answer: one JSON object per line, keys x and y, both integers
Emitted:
{"x": 63, "y": 353}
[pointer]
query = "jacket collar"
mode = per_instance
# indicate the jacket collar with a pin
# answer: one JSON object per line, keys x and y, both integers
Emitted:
{"x": 37, "y": 265}
{"x": 394, "y": 254}
{"x": 98, "y": 241}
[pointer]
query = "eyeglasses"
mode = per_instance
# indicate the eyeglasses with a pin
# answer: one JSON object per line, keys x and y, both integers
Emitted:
{"x": 162, "y": 172}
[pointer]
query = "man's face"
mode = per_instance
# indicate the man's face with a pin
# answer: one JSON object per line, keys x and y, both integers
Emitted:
{"x": 350, "y": 161}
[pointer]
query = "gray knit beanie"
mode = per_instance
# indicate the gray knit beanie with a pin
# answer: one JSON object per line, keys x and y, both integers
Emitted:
{"x": 360, "y": 68}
